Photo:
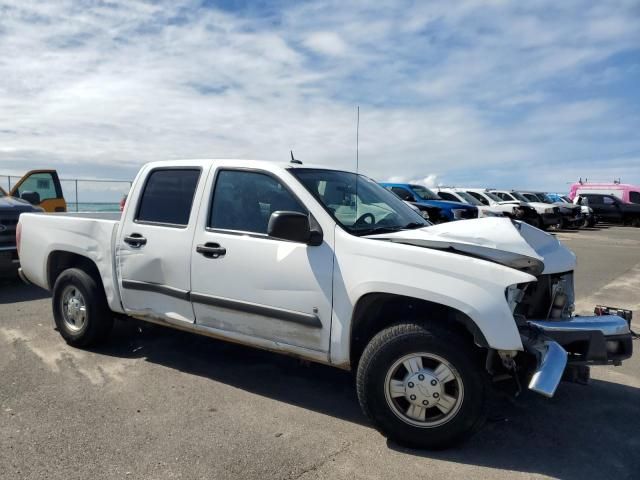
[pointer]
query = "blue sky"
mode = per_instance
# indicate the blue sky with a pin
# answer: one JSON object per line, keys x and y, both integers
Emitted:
{"x": 494, "y": 93}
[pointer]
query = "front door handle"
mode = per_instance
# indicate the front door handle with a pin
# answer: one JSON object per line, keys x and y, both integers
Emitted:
{"x": 135, "y": 240}
{"x": 211, "y": 250}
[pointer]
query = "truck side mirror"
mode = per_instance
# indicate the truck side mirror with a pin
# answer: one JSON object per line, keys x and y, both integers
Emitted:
{"x": 293, "y": 226}
{"x": 32, "y": 197}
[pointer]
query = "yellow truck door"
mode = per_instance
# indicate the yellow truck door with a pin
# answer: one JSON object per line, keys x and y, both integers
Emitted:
{"x": 41, "y": 188}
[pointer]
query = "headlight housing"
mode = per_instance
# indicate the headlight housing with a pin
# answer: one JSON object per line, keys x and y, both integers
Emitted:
{"x": 489, "y": 213}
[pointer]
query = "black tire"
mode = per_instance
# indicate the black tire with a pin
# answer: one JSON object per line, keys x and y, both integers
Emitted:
{"x": 592, "y": 222}
{"x": 98, "y": 319}
{"x": 394, "y": 343}
{"x": 536, "y": 222}
{"x": 635, "y": 222}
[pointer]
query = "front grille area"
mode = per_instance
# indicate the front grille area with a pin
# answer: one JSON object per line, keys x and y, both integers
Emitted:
{"x": 8, "y": 223}
{"x": 470, "y": 213}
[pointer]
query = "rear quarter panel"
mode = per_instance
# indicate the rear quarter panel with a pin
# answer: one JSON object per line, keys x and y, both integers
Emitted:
{"x": 91, "y": 236}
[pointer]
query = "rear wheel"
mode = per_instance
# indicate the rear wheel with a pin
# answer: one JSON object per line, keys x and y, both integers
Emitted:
{"x": 80, "y": 309}
{"x": 422, "y": 387}
{"x": 635, "y": 222}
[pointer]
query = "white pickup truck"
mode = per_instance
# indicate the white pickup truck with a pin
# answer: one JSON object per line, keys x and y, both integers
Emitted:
{"x": 328, "y": 266}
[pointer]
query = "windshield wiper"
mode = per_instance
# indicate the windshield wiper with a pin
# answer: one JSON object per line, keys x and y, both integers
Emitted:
{"x": 374, "y": 230}
{"x": 412, "y": 225}
{"x": 389, "y": 229}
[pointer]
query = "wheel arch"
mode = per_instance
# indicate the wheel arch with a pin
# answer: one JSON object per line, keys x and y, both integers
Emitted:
{"x": 60, "y": 260}
{"x": 375, "y": 311}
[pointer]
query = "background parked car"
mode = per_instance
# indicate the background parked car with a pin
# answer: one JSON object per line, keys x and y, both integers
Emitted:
{"x": 571, "y": 214}
{"x": 440, "y": 210}
{"x": 10, "y": 210}
{"x": 589, "y": 219}
{"x": 511, "y": 208}
{"x": 548, "y": 215}
{"x": 609, "y": 208}
{"x": 456, "y": 195}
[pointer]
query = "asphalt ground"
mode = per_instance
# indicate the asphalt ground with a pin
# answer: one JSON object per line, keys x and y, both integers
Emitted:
{"x": 162, "y": 404}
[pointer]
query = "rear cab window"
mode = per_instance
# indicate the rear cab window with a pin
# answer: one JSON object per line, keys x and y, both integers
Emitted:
{"x": 167, "y": 198}
{"x": 634, "y": 197}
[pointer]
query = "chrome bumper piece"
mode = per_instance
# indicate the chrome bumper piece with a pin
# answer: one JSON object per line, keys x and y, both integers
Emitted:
{"x": 23, "y": 277}
{"x": 606, "y": 324}
{"x": 551, "y": 365}
{"x": 579, "y": 341}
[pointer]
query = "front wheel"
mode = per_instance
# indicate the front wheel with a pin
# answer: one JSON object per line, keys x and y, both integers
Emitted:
{"x": 80, "y": 309}
{"x": 422, "y": 387}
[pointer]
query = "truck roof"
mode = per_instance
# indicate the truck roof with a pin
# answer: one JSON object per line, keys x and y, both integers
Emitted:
{"x": 239, "y": 162}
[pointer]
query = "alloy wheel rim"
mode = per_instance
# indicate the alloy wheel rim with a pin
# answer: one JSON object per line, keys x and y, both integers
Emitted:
{"x": 74, "y": 308}
{"x": 424, "y": 390}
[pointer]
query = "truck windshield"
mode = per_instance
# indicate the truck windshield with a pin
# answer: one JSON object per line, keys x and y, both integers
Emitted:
{"x": 468, "y": 198}
{"x": 545, "y": 198}
{"x": 362, "y": 209}
{"x": 424, "y": 193}
{"x": 520, "y": 197}
{"x": 493, "y": 196}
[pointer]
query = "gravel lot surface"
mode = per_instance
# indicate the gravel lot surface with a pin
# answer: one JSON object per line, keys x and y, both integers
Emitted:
{"x": 157, "y": 403}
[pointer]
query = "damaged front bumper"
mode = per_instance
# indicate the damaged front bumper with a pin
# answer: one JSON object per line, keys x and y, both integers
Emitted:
{"x": 549, "y": 219}
{"x": 578, "y": 341}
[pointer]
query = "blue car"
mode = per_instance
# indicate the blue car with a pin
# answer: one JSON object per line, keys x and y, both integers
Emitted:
{"x": 439, "y": 210}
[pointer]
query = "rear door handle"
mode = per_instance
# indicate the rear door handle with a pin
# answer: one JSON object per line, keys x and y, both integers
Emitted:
{"x": 211, "y": 250}
{"x": 135, "y": 240}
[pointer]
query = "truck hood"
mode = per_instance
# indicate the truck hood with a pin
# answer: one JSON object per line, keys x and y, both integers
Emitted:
{"x": 511, "y": 243}
{"x": 513, "y": 202}
{"x": 12, "y": 204}
{"x": 446, "y": 204}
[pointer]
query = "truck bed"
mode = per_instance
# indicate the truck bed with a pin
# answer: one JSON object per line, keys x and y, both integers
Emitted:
{"x": 91, "y": 235}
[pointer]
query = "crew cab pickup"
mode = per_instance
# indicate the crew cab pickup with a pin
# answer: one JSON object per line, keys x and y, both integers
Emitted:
{"x": 439, "y": 210}
{"x": 329, "y": 266}
{"x": 610, "y": 208}
{"x": 548, "y": 215}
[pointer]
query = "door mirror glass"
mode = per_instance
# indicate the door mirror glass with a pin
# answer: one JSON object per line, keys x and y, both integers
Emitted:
{"x": 292, "y": 226}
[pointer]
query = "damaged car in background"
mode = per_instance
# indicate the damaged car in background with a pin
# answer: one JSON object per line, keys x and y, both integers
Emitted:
{"x": 331, "y": 267}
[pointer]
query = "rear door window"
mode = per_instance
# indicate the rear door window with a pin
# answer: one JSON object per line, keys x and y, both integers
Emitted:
{"x": 448, "y": 196}
{"x": 167, "y": 197}
{"x": 403, "y": 193}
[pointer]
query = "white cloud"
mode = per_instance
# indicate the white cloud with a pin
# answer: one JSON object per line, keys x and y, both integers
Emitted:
{"x": 327, "y": 43}
{"x": 430, "y": 181}
{"x": 476, "y": 92}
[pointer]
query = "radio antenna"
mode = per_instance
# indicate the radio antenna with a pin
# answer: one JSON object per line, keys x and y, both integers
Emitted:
{"x": 357, "y": 156}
